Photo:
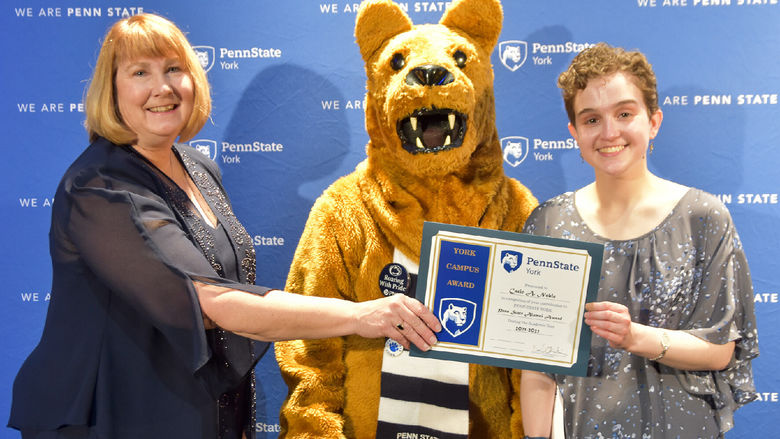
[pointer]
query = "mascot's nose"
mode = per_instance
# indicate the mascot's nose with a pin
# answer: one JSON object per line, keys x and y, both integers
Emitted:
{"x": 429, "y": 74}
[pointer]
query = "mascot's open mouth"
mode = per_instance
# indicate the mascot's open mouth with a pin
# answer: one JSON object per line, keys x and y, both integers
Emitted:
{"x": 432, "y": 130}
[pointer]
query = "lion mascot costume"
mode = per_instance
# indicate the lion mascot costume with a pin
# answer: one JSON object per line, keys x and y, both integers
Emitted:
{"x": 433, "y": 155}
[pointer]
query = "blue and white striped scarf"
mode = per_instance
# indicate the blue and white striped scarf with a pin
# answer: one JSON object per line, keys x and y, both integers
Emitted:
{"x": 422, "y": 397}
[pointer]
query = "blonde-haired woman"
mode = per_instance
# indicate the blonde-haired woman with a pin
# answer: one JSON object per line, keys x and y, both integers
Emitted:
{"x": 154, "y": 313}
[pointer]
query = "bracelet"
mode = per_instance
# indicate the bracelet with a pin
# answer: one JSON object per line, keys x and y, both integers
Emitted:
{"x": 664, "y": 345}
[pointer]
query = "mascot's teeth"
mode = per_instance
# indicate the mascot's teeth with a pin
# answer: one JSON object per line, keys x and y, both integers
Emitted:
{"x": 431, "y": 130}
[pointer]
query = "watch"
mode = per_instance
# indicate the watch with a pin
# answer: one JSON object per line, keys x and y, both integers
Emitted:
{"x": 664, "y": 345}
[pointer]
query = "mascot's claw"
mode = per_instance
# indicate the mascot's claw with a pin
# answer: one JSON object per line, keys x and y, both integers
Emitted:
{"x": 434, "y": 130}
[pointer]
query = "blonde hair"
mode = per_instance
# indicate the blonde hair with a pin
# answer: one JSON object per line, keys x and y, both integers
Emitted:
{"x": 143, "y": 35}
{"x": 603, "y": 60}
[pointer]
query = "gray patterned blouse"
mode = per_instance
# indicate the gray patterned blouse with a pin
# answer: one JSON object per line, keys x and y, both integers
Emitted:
{"x": 688, "y": 273}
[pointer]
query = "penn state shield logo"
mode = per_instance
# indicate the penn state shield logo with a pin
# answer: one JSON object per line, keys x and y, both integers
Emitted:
{"x": 206, "y": 147}
{"x": 205, "y": 56}
{"x": 515, "y": 149}
{"x": 511, "y": 260}
{"x": 457, "y": 315}
{"x": 513, "y": 53}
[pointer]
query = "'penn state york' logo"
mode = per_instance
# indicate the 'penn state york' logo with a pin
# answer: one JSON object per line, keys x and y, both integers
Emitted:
{"x": 515, "y": 149}
{"x": 206, "y": 147}
{"x": 513, "y": 53}
{"x": 457, "y": 315}
{"x": 511, "y": 260}
{"x": 205, "y": 56}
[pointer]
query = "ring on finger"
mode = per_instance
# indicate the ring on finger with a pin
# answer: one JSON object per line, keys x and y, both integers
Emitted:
{"x": 400, "y": 326}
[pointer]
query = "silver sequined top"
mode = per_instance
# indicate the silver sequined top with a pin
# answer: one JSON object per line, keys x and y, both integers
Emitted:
{"x": 688, "y": 273}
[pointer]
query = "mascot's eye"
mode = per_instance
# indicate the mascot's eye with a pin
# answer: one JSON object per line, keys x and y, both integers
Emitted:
{"x": 460, "y": 58}
{"x": 398, "y": 62}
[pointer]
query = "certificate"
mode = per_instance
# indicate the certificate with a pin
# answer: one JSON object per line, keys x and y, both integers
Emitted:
{"x": 508, "y": 299}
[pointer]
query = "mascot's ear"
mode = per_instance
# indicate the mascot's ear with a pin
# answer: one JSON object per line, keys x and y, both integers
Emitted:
{"x": 377, "y": 22}
{"x": 479, "y": 19}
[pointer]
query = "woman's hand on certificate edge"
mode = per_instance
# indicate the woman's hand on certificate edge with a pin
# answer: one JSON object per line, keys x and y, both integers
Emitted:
{"x": 612, "y": 321}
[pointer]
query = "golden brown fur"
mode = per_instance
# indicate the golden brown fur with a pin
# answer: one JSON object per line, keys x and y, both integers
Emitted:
{"x": 358, "y": 221}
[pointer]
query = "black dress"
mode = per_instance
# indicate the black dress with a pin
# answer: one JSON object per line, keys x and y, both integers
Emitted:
{"x": 124, "y": 351}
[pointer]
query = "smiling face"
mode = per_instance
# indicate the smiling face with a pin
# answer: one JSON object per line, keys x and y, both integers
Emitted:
{"x": 155, "y": 98}
{"x": 612, "y": 126}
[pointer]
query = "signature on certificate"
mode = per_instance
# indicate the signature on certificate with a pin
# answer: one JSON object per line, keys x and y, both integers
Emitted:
{"x": 549, "y": 350}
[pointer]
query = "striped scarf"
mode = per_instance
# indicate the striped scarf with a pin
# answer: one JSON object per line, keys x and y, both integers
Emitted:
{"x": 421, "y": 397}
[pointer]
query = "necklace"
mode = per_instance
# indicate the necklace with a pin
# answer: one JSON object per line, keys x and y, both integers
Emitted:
{"x": 170, "y": 173}
{"x": 186, "y": 184}
{"x": 193, "y": 193}
{"x": 178, "y": 171}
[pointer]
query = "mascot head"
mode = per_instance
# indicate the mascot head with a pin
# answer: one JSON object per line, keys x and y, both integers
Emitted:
{"x": 429, "y": 102}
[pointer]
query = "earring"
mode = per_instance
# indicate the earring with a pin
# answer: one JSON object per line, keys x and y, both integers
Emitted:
{"x": 651, "y": 148}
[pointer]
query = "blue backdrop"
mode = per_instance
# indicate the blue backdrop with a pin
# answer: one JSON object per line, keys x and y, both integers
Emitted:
{"x": 288, "y": 86}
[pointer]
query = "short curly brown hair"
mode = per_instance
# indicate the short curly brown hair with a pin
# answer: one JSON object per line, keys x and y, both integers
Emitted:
{"x": 602, "y": 60}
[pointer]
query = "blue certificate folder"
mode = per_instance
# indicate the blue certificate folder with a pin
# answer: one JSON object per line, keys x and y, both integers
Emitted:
{"x": 482, "y": 285}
